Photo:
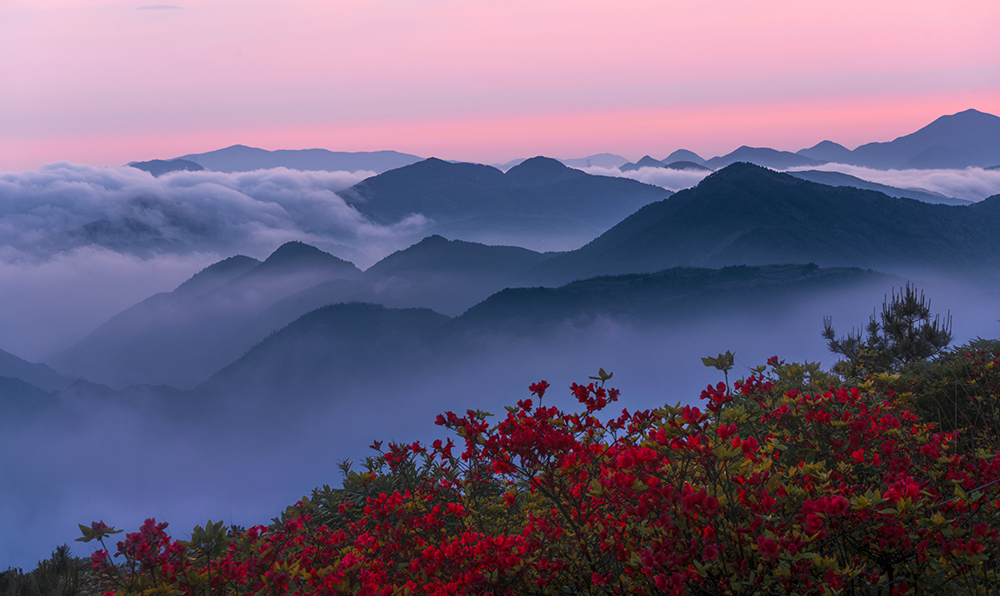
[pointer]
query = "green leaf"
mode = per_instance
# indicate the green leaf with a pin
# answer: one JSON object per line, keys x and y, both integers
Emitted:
{"x": 602, "y": 375}
{"x": 723, "y": 362}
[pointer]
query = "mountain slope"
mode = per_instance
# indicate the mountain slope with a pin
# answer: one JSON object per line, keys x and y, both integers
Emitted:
{"x": 446, "y": 276}
{"x": 435, "y": 255}
{"x": 159, "y": 167}
{"x": 538, "y": 187}
{"x": 969, "y": 138}
{"x": 686, "y": 165}
{"x": 39, "y": 375}
{"x": 217, "y": 274}
{"x": 674, "y": 295}
{"x": 18, "y": 397}
{"x": 334, "y": 346}
{"x": 745, "y": 214}
{"x": 179, "y": 338}
{"x": 826, "y": 151}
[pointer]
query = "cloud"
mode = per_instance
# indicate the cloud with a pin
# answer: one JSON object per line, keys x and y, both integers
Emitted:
{"x": 79, "y": 244}
{"x": 663, "y": 177}
{"x": 63, "y": 206}
{"x": 973, "y": 184}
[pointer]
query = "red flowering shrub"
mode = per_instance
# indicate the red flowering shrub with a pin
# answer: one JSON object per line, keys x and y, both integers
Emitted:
{"x": 774, "y": 488}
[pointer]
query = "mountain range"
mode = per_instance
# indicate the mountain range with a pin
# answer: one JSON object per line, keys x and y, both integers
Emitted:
{"x": 965, "y": 139}
{"x": 357, "y": 343}
{"x": 540, "y": 203}
{"x": 742, "y": 215}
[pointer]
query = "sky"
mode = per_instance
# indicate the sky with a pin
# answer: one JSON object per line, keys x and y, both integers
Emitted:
{"x": 108, "y": 82}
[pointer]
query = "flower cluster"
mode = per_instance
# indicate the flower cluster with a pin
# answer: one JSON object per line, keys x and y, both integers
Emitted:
{"x": 773, "y": 488}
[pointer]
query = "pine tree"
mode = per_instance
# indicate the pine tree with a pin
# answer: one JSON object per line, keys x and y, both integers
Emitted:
{"x": 903, "y": 334}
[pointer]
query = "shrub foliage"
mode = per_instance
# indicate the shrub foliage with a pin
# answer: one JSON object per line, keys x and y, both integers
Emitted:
{"x": 788, "y": 482}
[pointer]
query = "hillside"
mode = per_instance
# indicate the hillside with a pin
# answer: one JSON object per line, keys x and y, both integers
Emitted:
{"x": 159, "y": 167}
{"x": 179, "y": 338}
{"x": 337, "y": 345}
{"x": 748, "y": 215}
{"x": 332, "y": 348}
{"x": 38, "y": 375}
{"x": 538, "y": 187}
{"x": 678, "y": 295}
{"x": 446, "y": 276}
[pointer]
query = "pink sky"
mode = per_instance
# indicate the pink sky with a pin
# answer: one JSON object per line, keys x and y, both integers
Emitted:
{"x": 107, "y": 82}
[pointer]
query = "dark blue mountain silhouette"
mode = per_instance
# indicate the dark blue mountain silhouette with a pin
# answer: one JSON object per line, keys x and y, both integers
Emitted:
{"x": 159, "y": 167}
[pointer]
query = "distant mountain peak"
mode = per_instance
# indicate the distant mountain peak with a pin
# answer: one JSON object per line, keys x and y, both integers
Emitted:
{"x": 740, "y": 167}
{"x": 686, "y": 165}
{"x": 649, "y": 162}
{"x": 827, "y": 151}
{"x": 538, "y": 171}
{"x": 294, "y": 250}
{"x": 827, "y": 143}
{"x": 299, "y": 255}
{"x": 684, "y": 155}
{"x": 763, "y": 156}
{"x": 435, "y": 255}
{"x": 968, "y": 138}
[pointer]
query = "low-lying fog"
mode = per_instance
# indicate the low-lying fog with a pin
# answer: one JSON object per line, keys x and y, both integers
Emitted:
{"x": 78, "y": 244}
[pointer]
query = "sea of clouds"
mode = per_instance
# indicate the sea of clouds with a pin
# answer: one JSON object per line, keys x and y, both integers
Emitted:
{"x": 79, "y": 243}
